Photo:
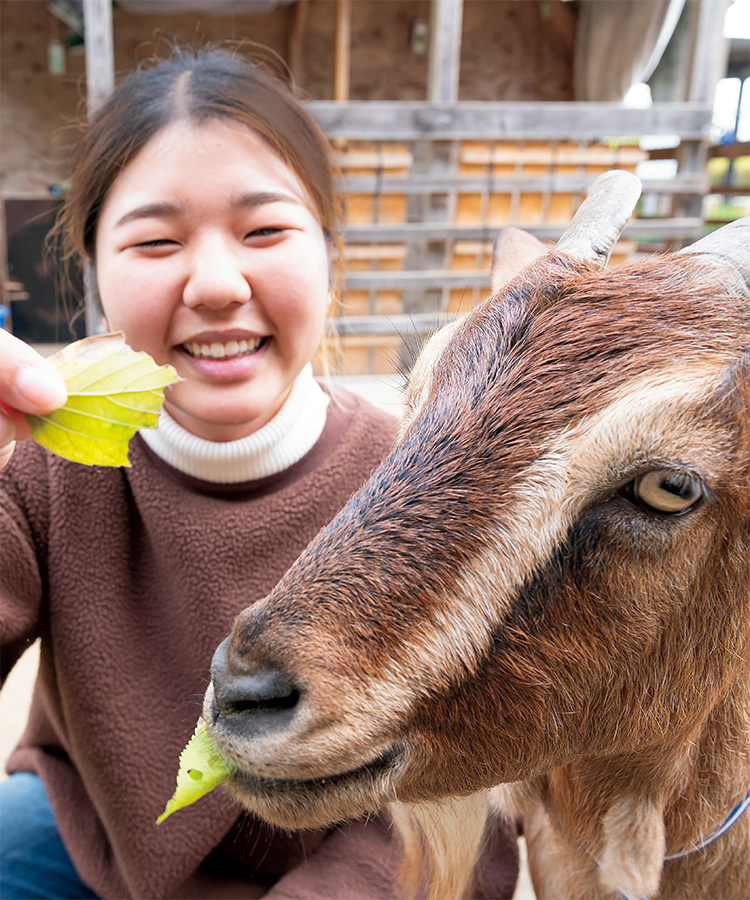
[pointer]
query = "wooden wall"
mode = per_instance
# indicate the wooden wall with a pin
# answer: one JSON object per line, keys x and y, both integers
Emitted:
{"x": 36, "y": 109}
{"x": 511, "y": 50}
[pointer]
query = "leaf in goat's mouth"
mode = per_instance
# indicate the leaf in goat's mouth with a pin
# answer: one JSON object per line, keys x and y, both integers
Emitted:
{"x": 201, "y": 770}
{"x": 113, "y": 391}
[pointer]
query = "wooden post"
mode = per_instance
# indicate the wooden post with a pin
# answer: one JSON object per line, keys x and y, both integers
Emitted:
{"x": 100, "y": 64}
{"x": 711, "y": 51}
{"x": 436, "y": 159}
{"x": 709, "y": 65}
{"x": 445, "y": 50}
{"x": 297, "y": 41}
{"x": 343, "y": 50}
{"x": 100, "y": 80}
{"x": 3, "y": 256}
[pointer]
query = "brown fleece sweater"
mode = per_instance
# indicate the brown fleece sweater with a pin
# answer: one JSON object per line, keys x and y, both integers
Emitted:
{"x": 131, "y": 578}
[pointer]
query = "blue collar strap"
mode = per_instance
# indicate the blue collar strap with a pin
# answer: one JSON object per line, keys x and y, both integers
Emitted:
{"x": 685, "y": 851}
{"x": 708, "y": 839}
{"x": 716, "y": 833}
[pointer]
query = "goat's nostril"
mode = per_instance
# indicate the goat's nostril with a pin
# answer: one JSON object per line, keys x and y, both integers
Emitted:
{"x": 243, "y": 689}
{"x": 263, "y": 692}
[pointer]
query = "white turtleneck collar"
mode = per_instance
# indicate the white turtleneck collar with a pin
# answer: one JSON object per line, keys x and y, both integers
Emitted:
{"x": 291, "y": 434}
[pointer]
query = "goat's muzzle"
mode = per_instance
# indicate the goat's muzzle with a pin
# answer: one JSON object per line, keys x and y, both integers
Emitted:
{"x": 251, "y": 698}
{"x": 302, "y": 757}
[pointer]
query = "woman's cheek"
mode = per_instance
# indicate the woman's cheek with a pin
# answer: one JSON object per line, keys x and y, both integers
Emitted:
{"x": 138, "y": 324}
{"x": 135, "y": 303}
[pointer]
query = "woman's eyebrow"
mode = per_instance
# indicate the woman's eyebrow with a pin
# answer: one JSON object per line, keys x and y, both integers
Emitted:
{"x": 172, "y": 210}
{"x": 260, "y": 198}
{"x": 151, "y": 211}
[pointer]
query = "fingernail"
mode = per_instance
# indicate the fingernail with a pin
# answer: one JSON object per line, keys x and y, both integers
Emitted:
{"x": 7, "y": 431}
{"x": 45, "y": 390}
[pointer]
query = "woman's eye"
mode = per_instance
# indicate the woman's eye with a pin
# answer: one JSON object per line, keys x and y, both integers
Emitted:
{"x": 154, "y": 245}
{"x": 664, "y": 491}
{"x": 264, "y": 232}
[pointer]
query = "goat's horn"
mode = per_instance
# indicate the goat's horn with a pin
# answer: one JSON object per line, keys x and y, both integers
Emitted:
{"x": 729, "y": 247}
{"x": 600, "y": 219}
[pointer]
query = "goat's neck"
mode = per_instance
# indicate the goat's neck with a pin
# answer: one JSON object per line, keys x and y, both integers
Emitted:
{"x": 693, "y": 787}
{"x": 614, "y": 819}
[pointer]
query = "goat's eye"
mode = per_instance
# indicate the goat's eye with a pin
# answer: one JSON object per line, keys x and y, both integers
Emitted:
{"x": 667, "y": 492}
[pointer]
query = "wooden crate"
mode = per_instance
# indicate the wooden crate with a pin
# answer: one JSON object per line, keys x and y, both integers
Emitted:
{"x": 474, "y": 188}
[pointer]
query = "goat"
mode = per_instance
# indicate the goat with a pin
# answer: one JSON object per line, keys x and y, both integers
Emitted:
{"x": 543, "y": 590}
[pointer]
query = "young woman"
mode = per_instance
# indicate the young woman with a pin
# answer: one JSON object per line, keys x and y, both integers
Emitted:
{"x": 202, "y": 200}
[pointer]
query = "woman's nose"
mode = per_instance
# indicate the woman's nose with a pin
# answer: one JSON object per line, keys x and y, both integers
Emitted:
{"x": 216, "y": 278}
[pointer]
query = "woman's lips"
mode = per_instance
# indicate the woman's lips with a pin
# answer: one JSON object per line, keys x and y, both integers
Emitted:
{"x": 222, "y": 349}
{"x": 239, "y": 358}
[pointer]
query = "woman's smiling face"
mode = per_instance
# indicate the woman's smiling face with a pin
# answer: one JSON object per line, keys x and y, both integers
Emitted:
{"x": 209, "y": 257}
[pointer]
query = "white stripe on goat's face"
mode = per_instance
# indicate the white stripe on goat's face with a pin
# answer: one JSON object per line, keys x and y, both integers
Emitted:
{"x": 492, "y": 580}
{"x": 649, "y": 425}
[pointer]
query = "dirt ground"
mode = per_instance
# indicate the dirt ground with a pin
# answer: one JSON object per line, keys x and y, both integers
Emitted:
{"x": 15, "y": 698}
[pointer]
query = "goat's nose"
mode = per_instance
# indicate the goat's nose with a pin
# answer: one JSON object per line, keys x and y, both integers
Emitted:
{"x": 251, "y": 697}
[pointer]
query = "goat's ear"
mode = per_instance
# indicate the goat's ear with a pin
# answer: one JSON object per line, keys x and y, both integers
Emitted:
{"x": 738, "y": 382}
{"x": 728, "y": 247}
{"x": 512, "y": 251}
{"x": 600, "y": 219}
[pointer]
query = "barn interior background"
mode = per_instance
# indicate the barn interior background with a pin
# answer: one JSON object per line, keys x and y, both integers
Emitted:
{"x": 449, "y": 119}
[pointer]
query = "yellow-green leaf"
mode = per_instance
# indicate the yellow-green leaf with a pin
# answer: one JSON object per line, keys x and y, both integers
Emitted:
{"x": 201, "y": 770}
{"x": 112, "y": 392}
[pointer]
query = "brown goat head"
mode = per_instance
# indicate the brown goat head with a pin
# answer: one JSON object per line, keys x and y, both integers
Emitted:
{"x": 547, "y": 581}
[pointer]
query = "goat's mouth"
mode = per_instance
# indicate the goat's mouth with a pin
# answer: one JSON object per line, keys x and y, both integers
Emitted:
{"x": 322, "y": 801}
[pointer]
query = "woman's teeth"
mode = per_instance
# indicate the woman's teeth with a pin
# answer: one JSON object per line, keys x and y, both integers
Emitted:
{"x": 229, "y": 350}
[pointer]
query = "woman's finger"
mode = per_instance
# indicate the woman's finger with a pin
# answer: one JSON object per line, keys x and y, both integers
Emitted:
{"x": 28, "y": 383}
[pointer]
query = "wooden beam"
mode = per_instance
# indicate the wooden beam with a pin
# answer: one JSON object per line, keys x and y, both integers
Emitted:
{"x": 488, "y": 120}
{"x": 342, "y": 63}
{"x": 445, "y": 231}
{"x": 690, "y": 183}
{"x": 100, "y": 80}
{"x": 445, "y": 50}
{"x": 99, "y": 43}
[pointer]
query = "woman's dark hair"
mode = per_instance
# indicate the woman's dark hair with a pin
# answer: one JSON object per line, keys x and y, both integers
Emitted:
{"x": 195, "y": 86}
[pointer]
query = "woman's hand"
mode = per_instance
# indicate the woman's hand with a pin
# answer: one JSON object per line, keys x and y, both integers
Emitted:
{"x": 28, "y": 384}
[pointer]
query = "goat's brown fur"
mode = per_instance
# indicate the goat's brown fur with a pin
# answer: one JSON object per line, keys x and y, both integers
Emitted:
{"x": 492, "y": 608}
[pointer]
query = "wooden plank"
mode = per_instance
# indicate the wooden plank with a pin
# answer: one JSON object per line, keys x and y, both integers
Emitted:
{"x": 484, "y": 248}
{"x": 683, "y": 183}
{"x": 409, "y": 279}
{"x": 550, "y": 155}
{"x": 692, "y": 182}
{"x": 374, "y": 251}
{"x": 446, "y": 21}
{"x": 386, "y": 158}
{"x": 489, "y": 120}
{"x": 440, "y": 231}
{"x": 423, "y": 323}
